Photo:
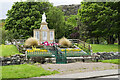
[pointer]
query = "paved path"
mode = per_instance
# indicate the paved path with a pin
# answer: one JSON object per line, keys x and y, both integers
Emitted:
{"x": 84, "y": 74}
{"x": 95, "y": 75}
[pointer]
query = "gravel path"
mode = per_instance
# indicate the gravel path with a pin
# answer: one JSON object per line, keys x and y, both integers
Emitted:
{"x": 79, "y": 67}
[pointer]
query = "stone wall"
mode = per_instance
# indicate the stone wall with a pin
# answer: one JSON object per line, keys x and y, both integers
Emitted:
{"x": 107, "y": 55}
{"x": 13, "y": 60}
{"x": 21, "y": 59}
{"x": 20, "y": 48}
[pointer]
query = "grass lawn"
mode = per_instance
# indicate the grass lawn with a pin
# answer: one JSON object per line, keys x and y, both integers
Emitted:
{"x": 104, "y": 48}
{"x": 24, "y": 71}
{"x": 114, "y": 61}
{"x": 8, "y": 50}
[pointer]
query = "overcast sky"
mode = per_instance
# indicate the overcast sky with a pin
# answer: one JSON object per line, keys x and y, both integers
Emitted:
{"x": 5, "y": 5}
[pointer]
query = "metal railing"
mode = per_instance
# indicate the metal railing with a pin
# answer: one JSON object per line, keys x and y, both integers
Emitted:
{"x": 85, "y": 46}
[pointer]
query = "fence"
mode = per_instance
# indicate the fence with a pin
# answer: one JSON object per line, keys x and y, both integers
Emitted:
{"x": 60, "y": 54}
{"x": 48, "y": 53}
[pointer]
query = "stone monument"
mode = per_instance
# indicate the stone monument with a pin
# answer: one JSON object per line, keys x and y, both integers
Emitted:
{"x": 44, "y": 18}
{"x": 44, "y": 33}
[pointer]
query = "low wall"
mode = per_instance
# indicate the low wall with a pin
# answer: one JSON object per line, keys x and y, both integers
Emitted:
{"x": 21, "y": 59}
{"x": 13, "y": 60}
{"x": 107, "y": 55}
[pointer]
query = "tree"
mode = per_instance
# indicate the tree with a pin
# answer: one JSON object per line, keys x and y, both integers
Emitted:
{"x": 100, "y": 20}
{"x": 2, "y": 32}
{"x": 10, "y": 36}
{"x": 116, "y": 6}
{"x": 72, "y": 19}
{"x": 23, "y": 17}
{"x": 55, "y": 18}
{"x": 70, "y": 24}
{"x": 6, "y": 35}
{"x": 69, "y": 29}
{"x": 2, "y": 36}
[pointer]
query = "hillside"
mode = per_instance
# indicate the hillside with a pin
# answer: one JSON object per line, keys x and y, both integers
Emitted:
{"x": 69, "y": 9}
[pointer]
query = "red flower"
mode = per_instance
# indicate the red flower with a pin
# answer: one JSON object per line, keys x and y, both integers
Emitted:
{"x": 46, "y": 43}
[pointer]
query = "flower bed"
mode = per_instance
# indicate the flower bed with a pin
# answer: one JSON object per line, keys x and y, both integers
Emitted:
{"x": 70, "y": 49}
{"x": 48, "y": 44}
{"x": 72, "y": 52}
{"x": 37, "y": 50}
{"x": 42, "y": 48}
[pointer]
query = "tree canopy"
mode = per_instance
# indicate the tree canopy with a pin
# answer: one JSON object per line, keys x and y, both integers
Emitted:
{"x": 93, "y": 21}
{"x": 55, "y": 18}
{"x": 26, "y": 16}
{"x": 23, "y": 17}
{"x": 101, "y": 19}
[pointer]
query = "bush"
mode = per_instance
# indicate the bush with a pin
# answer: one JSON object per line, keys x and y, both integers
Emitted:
{"x": 31, "y": 42}
{"x": 65, "y": 42}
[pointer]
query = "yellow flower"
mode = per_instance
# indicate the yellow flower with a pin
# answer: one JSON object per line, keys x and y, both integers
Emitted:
{"x": 62, "y": 49}
{"x": 45, "y": 50}
{"x": 37, "y": 49}
{"x": 40, "y": 50}
{"x": 67, "y": 49}
{"x": 29, "y": 50}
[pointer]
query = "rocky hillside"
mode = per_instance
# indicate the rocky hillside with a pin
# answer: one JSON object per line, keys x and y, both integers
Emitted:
{"x": 70, "y": 9}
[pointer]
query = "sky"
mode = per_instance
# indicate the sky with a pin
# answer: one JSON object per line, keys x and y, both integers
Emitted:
{"x": 6, "y": 5}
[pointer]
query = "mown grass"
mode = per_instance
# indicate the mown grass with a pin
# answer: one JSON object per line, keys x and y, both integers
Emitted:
{"x": 8, "y": 50}
{"x": 104, "y": 48}
{"x": 24, "y": 71}
{"x": 114, "y": 61}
